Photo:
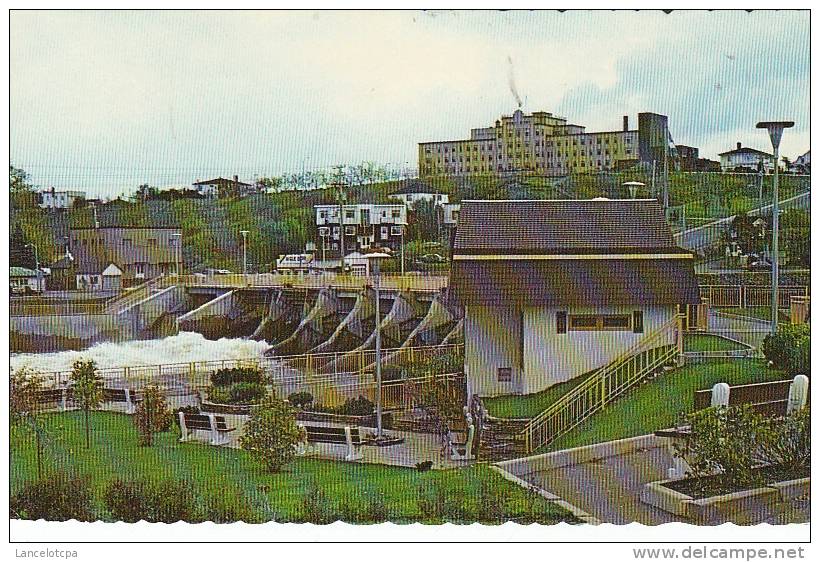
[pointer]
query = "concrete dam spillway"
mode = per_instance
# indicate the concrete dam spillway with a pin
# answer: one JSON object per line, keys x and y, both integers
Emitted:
{"x": 269, "y": 321}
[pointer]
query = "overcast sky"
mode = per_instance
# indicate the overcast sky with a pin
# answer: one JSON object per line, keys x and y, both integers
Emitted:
{"x": 104, "y": 101}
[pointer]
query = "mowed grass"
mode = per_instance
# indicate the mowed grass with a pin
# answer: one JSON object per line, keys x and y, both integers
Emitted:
{"x": 659, "y": 403}
{"x": 215, "y": 471}
{"x": 512, "y": 406}
{"x": 695, "y": 342}
{"x": 757, "y": 312}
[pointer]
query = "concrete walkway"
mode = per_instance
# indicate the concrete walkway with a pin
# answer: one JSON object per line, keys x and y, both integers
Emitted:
{"x": 609, "y": 489}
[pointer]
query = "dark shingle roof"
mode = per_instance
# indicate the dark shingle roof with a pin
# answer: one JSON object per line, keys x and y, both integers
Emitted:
{"x": 561, "y": 226}
{"x": 746, "y": 150}
{"x": 575, "y": 282}
{"x": 632, "y": 255}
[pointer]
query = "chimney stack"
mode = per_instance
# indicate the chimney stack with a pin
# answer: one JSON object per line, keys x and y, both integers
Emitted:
{"x": 626, "y": 122}
{"x": 236, "y": 179}
{"x": 738, "y": 146}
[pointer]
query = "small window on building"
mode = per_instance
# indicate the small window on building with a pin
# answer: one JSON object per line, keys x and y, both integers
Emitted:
{"x": 616, "y": 322}
{"x": 324, "y": 231}
{"x": 395, "y": 230}
{"x": 637, "y": 322}
{"x": 396, "y": 213}
{"x": 561, "y": 322}
{"x": 384, "y": 233}
{"x": 504, "y": 374}
{"x": 350, "y": 230}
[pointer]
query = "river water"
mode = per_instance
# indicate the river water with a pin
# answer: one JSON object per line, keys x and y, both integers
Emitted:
{"x": 184, "y": 347}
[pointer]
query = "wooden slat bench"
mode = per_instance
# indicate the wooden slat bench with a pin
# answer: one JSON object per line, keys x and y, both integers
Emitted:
{"x": 121, "y": 396}
{"x": 216, "y": 425}
{"x": 59, "y": 396}
{"x": 339, "y": 435}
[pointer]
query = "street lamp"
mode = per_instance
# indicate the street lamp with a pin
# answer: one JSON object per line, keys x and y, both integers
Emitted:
{"x": 373, "y": 261}
{"x": 244, "y": 234}
{"x": 775, "y": 129}
{"x": 178, "y": 253}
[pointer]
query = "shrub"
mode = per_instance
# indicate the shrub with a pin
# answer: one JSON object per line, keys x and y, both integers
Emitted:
{"x": 229, "y": 376}
{"x": 360, "y": 406}
{"x": 228, "y": 506}
{"x": 58, "y": 497}
{"x": 238, "y": 393}
{"x": 790, "y": 348}
{"x": 166, "y": 501}
{"x": 300, "y": 399}
{"x": 185, "y": 410}
{"x": 789, "y": 443}
{"x": 316, "y": 507}
{"x": 367, "y": 506}
{"x": 151, "y": 415}
{"x": 271, "y": 433}
{"x": 725, "y": 441}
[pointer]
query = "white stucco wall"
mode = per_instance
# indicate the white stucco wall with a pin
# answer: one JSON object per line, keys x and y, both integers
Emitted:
{"x": 492, "y": 339}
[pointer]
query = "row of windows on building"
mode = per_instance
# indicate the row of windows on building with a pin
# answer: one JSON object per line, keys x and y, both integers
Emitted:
{"x": 394, "y": 213}
{"x": 539, "y": 165}
{"x": 521, "y": 156}
{"x": 515, "y": 146}
{"x": 385, "y": 231}
{"x": 150, "y": 242}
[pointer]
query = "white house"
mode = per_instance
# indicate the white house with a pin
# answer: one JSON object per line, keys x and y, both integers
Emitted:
{"x": 415, "y": 191}
{"x": 555, "y": 289}
{"x": 747, "y": 158}
{"x": 221, "y": 187}
{"x": 53, "y": 199}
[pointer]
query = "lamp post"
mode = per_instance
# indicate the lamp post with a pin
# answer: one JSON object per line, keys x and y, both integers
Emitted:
{"x": 775, "y": 129}
{"x": 633, "y": 187}
{"x": 178, "y": 253}
{"x": 36, "y": 264}
{"x": 373, "y": 261}
{"x": 244, "y": 234}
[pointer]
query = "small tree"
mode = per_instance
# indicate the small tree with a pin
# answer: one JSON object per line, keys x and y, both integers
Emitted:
{"x": 87, "y": 389}
{"x": 152, "y": 415}
{"x": 271, "y": 433}
{"x": 24, "y": 387}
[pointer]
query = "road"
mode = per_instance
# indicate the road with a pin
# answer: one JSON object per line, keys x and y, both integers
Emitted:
{"x": 708, "y": 234}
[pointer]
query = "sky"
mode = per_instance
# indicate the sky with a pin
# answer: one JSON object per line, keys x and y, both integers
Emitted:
{"x": 105, "y": 101}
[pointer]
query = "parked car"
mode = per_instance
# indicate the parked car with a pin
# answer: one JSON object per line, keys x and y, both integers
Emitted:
{"x": 760, "y": 264}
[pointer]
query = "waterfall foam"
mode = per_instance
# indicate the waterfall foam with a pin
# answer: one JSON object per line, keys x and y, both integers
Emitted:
{"x": 184, "y": 347}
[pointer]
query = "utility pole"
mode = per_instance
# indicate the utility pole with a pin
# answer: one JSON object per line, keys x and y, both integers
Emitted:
{"x": 341, "y": 199}
{"x": 775, "y": 129}
{"x": 244, "y": 234}
{"x": 177, "y": 253}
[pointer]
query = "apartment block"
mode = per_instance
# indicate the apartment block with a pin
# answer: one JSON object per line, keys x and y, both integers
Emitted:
{"x": 547, "y": 144}
{"x": 358, "y": 227}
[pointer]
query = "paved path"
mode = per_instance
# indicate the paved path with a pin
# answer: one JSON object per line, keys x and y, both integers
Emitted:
{"x": 751, "y": 331}
{"x": 609, "y": 489}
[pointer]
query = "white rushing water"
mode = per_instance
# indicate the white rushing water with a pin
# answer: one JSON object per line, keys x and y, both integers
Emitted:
{"x": 184, "y": 347}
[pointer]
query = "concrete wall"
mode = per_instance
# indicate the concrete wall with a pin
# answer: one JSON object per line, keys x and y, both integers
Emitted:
{"x": 144, "y": 313}
{"x": 526, "y": 341}
{"x": 55, "y": 333}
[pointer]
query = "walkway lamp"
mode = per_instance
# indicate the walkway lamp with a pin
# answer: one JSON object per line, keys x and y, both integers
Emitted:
{"x": 373, "y": 263}
{"x": 775, "y": 129}
{"x": 633, "y": 187}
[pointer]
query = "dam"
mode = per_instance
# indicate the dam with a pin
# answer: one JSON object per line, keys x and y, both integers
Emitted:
{"x": 285, "y": 315}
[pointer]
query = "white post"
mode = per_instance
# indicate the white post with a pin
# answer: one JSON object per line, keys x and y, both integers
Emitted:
{"x": 720, "y": 394}
{"x": 798, "y": 394}
{"x": 182, "y": 428}
{"x": 129, "y": 404}
{"x": 351, "y": 448}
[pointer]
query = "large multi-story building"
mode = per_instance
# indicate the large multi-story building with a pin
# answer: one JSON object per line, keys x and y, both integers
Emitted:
{"x": 365, "y": 225}
{"x": 547, "y": 144}
{"x": 140, "y": 253}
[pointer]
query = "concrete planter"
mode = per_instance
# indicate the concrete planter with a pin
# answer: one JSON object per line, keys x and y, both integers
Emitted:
{"x": 715, "y": 510}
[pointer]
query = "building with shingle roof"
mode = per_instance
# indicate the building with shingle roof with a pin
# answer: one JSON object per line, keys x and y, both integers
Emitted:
{"x": 554, "y": 289}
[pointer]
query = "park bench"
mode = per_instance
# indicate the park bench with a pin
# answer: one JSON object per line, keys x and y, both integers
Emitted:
{"x": 216, "y": 425}
{"x": 339, "y": 435}
{"x": 59, "y": 396}
{"x": 121, "y": 396}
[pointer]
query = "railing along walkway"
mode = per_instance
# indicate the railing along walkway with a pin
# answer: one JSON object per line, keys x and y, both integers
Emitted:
{"x": 604, "y": 386}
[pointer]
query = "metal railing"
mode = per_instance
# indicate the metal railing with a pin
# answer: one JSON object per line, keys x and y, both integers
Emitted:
{"x": 605, "y": 385}
{"x": 134, "y": 295}
{"x": 261, "y": 280}
{"x": 744, "y": 296}
{"x": 17, "y": 308}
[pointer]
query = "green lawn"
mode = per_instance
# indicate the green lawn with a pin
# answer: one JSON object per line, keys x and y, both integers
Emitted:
{"x": 759, "y": 312}
{"x": 530, "y": 405}
{"x": 695, "y": 342}
{"x": 219, "y": 470}
{"x": 656, "y": 405}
